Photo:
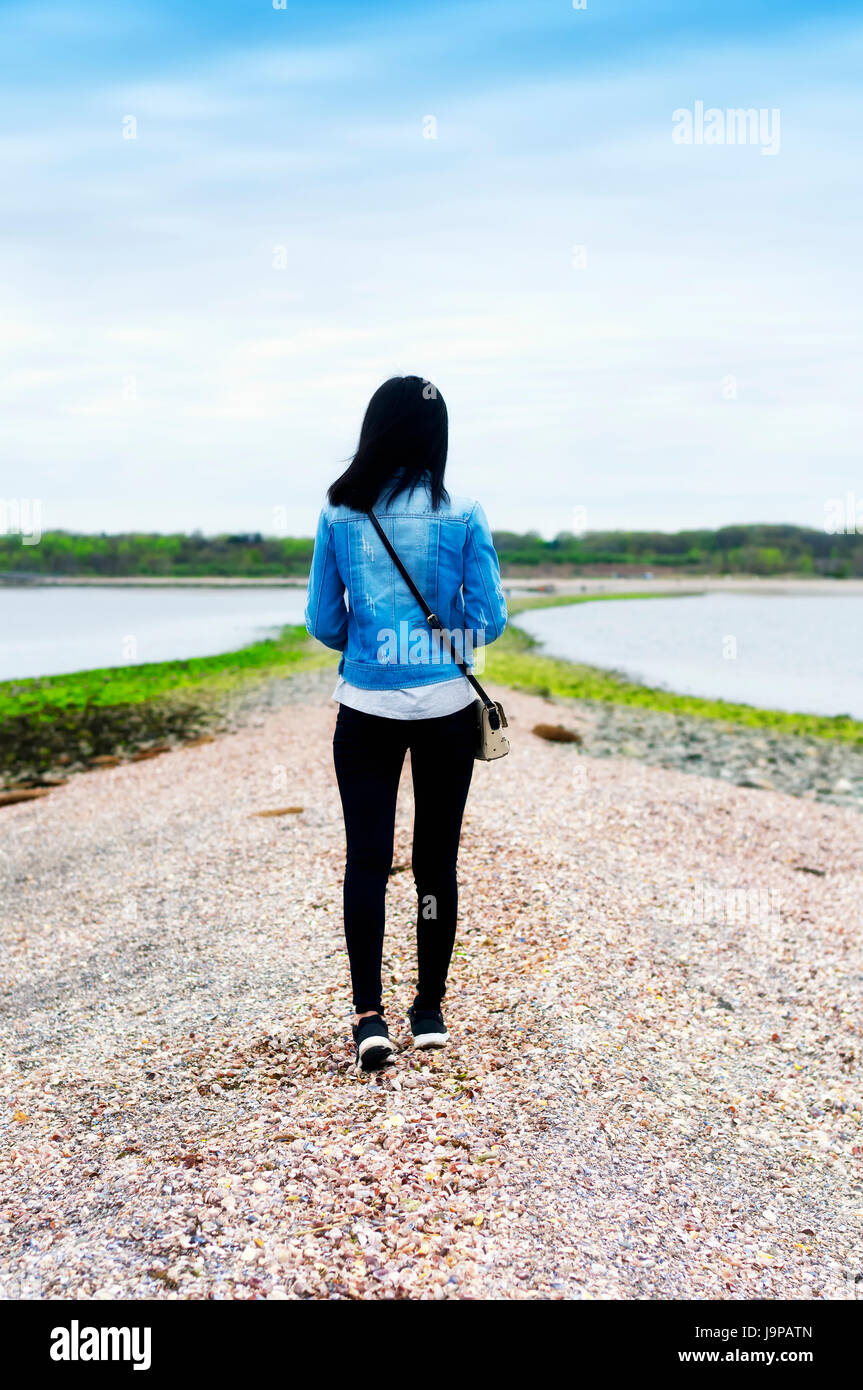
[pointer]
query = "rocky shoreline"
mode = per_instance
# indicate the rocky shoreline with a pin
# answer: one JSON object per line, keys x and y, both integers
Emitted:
{"x": 814, "y": 768}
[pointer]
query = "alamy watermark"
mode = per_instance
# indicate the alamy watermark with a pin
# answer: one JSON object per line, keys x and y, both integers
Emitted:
{"x": 736, "y": 125}
{"x": 843, "y": 516}
{"x": 706, "y": 905}
{"x": 432, "y": 646}
{"x": 77, "y": 1343}
{"x": 21, "y": 516}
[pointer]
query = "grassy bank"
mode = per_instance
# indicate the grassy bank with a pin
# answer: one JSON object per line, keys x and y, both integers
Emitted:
{"x": 59, "y": 723}
{"x": 69, "y": 721}
{"x": 529, "y": 603}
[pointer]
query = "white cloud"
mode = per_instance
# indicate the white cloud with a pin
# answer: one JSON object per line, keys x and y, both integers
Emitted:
{"x": 154, "y": 258}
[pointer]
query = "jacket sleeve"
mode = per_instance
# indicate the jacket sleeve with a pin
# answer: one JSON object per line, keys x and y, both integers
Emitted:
{"x": 326, "y": 610}
{"x": 484, "y": 603}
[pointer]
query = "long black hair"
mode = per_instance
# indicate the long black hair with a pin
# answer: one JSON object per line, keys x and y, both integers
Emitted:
{"x": 403, "y": 442}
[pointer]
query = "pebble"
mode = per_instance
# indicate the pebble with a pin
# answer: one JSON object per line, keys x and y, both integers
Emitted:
{"x": 651, "y": 1090}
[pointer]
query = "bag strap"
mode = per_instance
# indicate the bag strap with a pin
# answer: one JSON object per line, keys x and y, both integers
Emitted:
{"x": 434, "y": 622}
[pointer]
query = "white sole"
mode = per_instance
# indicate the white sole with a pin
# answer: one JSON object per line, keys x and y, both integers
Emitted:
{"x": 378, "y": 1044}
{"x": 425, "y": 1040}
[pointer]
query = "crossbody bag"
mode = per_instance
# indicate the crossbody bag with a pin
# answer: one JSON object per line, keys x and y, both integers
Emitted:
{"x": 491, "y": 741}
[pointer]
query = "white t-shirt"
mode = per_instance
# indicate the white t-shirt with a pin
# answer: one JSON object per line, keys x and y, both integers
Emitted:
{"x": 417, "y": 702}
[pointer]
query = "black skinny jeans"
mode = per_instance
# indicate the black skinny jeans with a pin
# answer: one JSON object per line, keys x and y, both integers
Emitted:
{"x": 369, "y": 752}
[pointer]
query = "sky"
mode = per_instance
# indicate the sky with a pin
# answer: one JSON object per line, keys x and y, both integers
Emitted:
{"x": 225, "y": 224}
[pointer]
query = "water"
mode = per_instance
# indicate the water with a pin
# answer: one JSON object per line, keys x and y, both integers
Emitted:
{"x": 799, "y": 653}
{"x": 49, "y": 631}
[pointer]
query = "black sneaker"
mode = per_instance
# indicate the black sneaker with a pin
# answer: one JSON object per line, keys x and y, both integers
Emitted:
{"x": 428, "y": 1027}
{"x": 374, "y": 1049}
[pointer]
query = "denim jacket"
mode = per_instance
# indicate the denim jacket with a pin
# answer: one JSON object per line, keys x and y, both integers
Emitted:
{"x": 359, "y": 604}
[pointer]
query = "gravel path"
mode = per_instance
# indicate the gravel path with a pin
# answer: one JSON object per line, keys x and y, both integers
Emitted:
{"x": 653, "y": 1090}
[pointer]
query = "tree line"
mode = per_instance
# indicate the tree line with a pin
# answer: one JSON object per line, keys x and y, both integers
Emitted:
{"x": 762, "y": 549}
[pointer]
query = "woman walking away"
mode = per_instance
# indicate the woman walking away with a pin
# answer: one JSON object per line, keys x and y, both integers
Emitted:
{"x": 400, "y": 687}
